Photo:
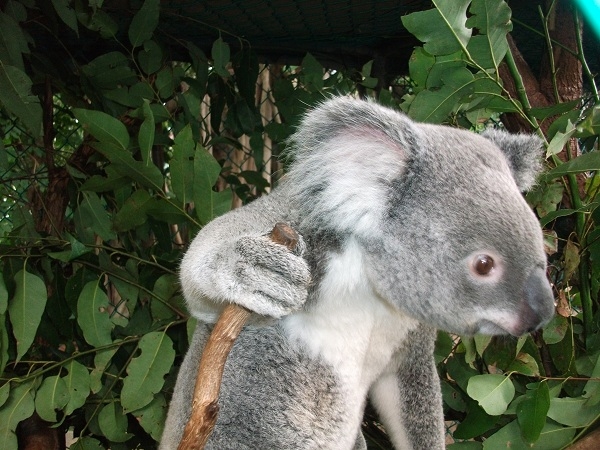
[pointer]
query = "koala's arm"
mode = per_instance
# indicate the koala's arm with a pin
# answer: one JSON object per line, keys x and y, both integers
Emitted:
{"x": 408, "y": 397}
{"x": 233, "y": 260}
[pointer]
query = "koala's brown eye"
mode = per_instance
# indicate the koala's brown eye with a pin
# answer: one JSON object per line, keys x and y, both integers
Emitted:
{"x": 483, "y": 264}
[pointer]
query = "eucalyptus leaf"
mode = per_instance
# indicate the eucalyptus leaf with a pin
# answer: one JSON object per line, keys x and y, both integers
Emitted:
{"x": 144, "y": 23}
{"x": 4, "y": 393}
{"x": 208, "y": 204}
{"x": 200, "y": 65}
{"x": 145, "y": 373}
{"x": 101, "y": 362}
{"x": 531, "y": 412}
{"x": 584, "y": 163}
{"x": 26, "y": 309}
{"x": 313, "y": 73}
{"x": 77, "y": 381}
{"x": 573, "y": 412}
{"x": 18, "y": 407}
{"x": 92, "y": 315}
{"x": 221, "y": 55}
{"x": 552, "y": 437}
{"x": 442, "y": 29}
{"x": 152, "y": 416}
{"x": 146, "y": 134}
{"x": 87, "y": 443}
{"x": 113, "y": 423}
{"x": 150, "y": 57}
{"x": 4, "y": 345}
{"x": 182, "y": 165}
{"x": 66, "y": 14}
{"x": 133, "y": 213}
{"x": 13, "y": 42}
{"x": 17, "y": 98}
{"x": 592, "y": 387}
{"x": 91, "y": 213}
{"x": 492, "y": 19}
{"x": 125, "y": 165}
{"x": 493, "y": 392}
{"x": 103, "y": 127}
{"x": 50, "y": 396}
{"x": 3, "y": 295}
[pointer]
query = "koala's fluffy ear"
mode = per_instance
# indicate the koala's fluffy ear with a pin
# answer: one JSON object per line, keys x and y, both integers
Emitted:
{"x": 346, "y": 153}
{"x": 524, "y": 154}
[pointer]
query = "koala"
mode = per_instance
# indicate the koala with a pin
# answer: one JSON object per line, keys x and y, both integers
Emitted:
{"x": 405, "y": 228}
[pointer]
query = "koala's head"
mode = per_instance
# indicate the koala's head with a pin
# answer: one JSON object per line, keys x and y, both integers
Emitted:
{"x": 446, "y": 233}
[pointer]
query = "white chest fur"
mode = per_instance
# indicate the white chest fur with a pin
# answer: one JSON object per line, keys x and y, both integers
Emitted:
{"x": 349, "y": 326}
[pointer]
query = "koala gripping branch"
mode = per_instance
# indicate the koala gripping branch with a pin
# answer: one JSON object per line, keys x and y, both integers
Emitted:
{"x": 205, "y": 406}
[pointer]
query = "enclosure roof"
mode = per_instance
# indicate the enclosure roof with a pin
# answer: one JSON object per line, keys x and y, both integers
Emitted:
{"x": 343, "y": 31}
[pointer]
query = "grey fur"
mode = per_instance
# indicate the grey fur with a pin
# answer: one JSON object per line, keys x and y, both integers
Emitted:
{"x": 393, "y": 214}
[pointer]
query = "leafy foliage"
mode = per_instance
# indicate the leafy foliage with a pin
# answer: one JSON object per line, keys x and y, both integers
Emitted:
{"x": 92, "y": 323}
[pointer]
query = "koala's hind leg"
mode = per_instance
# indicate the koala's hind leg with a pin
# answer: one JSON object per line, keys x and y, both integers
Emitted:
{"x": 408, "y": 396}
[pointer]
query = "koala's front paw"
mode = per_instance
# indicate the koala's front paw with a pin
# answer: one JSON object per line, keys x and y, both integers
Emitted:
{"x": 274, "y": 280}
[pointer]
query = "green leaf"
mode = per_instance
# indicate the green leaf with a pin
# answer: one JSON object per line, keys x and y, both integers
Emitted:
{"x": 144, "y": 23}
{"x": 103, "y": 127}
{"x": 145, "y": 374}
{"x": 50, "y": 396}
{"x": 573, "y": 412}
{"x": 87, "y": 443}
{"x": 19, "y": 406}
{"x": 592, "y": 387}
{"x": 4, "y": 393}
{"x": 313, "y": 73}
{"x": 554, "y": 110}
{"x": 492, "y": 19}
{"x": 552, "y": 437}
{"x": 101, "y": 361}
{"x": 100, "y": 21}
{"x": 560, "y": 138}
{"x": 524, "y": 363}
{"x": 151, "y": 57}
{"x": 164, "y": 289}
{"x": 13, "y": 42}
{"x": 434, "y": 106}
{"x": 92, "y": 315}
{"x": 3, "y": 295}
{"x": 133, "y": 213}
{"x": 113, "y": 423}
{"x": 146, "y": 134}
{"x": 208, "y": 203}
{"x": 66, "y": 14}
{"x": 76, "y": 249}
{"x": 583, "y": 163}
{"x": 77, "y": 381}
{"x": 110, "y": 71}
{"x": 4, "y": 345}
{"x": 26, "y": 309}
{"x": 125, "y": 165}
{"x": 152, "y": 416}
{"x": 182, "y": 166}
{"x": 91, "y": 214}
{"x": 17, "y": 98}
{"x": 493, "y": 392}
{"x": 442, "y": 29}
{"x": 475, "y": 423}
{"x": 531, "y": 412}
{"x": 221, "y": 56}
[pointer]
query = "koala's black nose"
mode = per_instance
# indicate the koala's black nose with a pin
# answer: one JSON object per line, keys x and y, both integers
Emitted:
{"x": 539, "y": 302}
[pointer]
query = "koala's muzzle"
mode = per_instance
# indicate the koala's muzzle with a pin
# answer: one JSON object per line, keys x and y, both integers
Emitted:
{"x": 538, "y": 306}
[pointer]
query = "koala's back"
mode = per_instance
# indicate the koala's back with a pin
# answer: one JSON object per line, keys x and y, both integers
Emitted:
{"x": 274, "y": 396}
